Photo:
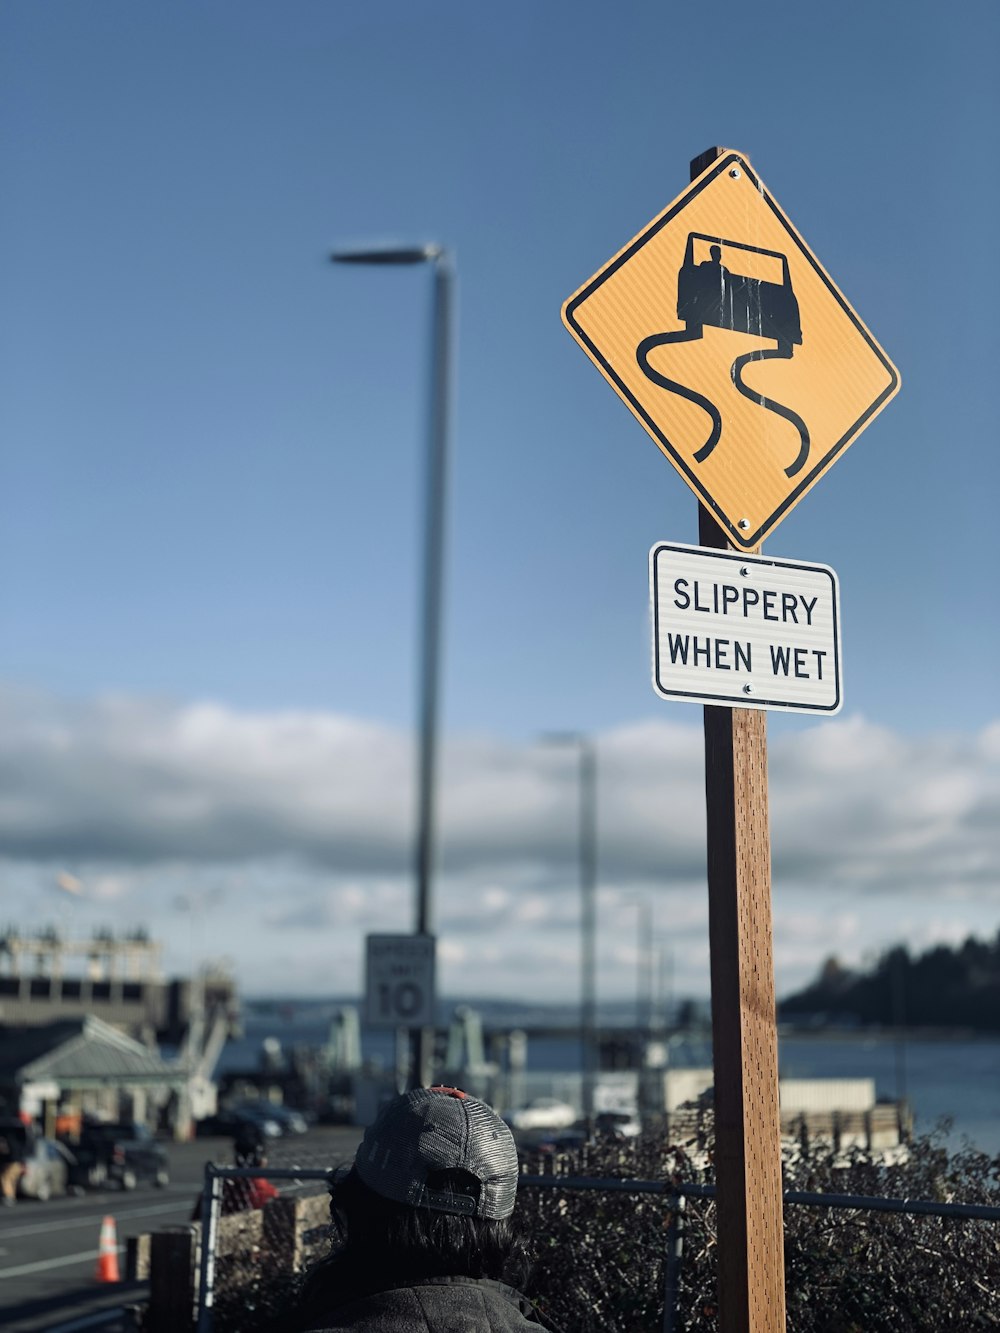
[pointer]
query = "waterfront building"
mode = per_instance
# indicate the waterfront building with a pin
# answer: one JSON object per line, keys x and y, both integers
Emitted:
{"x": 91, "y": 1026}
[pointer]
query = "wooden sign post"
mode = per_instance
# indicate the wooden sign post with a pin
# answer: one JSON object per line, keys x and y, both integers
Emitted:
{"x": 730, "y": 343}
{"x": 744, "y": 1037}
{"x": 744, "y": 1031}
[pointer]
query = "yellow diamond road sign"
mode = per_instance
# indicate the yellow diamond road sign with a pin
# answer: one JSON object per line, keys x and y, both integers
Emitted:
{"x": 722, "y": 332}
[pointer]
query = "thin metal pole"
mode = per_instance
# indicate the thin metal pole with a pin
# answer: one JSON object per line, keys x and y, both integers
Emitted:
{"x": 211, "y": 1201}
{"x": 431, "y": 619}
{"x": 431, "y": 588}
{"x": 899, "y": 1025}
{"x": 675, "y": 1252}
{"x": 644, "y": 963}
{"x": 588, "y": 925}
{"x": 433, "y": 572}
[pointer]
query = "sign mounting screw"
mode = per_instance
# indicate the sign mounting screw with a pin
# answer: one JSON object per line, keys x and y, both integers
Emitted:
{"x": 744, "y": 523}
{"x": 748, "y": 689}
{"x": 735, "y": 173}
{"x": 744, "y": 571}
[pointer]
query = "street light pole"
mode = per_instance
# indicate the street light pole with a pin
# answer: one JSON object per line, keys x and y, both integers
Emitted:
{"x": 433, "y": 581}
{"x": 436, "y": 481}
{"x": 644, "y": 950}
{"x": 588, "y": 905}
{"x": 587, "y": 849}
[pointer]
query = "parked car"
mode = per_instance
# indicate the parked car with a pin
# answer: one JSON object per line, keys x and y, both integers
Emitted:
{"x": 290, "y": 1122}
{"x": 228, "y": 1123}
{"x": 48, "y": 1169}
{"x": 543, "y": 1113}
{"x": 124, "y": 1154}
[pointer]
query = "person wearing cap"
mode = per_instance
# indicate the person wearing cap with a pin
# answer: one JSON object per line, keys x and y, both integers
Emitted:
{"x": 427, "y": 1243}
{"x": 248, "y": 1192}
{"x": 243, "y": 1193}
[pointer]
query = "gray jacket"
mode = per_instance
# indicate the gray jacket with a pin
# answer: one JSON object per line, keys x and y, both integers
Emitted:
{"x": 438, "y": 1305}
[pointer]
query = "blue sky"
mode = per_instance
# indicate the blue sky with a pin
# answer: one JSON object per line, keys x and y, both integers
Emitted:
{"x": 212, "y": 444}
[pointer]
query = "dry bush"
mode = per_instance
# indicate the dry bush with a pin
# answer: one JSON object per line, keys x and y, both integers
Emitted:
{"x": 600, "y": 1258}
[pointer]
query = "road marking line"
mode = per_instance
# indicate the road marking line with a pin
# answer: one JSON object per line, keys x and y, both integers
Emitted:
{"x": 41, "y": 1265}
{"x": 88, "y": 1220}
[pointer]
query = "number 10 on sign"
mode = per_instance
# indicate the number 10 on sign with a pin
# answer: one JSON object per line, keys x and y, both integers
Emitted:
{"x": 399, "y": 981}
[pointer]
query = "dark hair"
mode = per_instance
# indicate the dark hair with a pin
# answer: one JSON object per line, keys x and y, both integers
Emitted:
{"x": 380, "y": 1244}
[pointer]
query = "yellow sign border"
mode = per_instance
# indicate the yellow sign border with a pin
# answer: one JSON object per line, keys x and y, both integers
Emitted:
{"x": 746, "y": 540}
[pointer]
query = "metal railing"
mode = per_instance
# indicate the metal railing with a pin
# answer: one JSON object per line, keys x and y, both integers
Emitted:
{"x": 211, "y": 1212}
{"x": 675, "y": 1195}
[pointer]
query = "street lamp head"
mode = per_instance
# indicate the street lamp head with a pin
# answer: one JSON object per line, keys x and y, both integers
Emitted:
{"x": 406, "y": 254}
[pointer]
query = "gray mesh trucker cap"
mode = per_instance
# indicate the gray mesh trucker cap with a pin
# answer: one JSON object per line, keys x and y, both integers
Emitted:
{"x": 440, "y": 1129}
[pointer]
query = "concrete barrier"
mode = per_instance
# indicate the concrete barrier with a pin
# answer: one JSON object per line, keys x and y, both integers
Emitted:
{"x": 280, "y": 1236}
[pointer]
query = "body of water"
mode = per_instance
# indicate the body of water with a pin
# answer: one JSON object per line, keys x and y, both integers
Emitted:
{"x": 942, "y": 1078}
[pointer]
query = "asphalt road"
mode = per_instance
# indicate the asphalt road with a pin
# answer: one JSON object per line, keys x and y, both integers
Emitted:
{"x": 48, "y": 1251}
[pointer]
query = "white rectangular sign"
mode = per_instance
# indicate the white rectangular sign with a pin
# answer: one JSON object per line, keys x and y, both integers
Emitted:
{"x": 745, "y": 631}
{"x": 399, "y": 981}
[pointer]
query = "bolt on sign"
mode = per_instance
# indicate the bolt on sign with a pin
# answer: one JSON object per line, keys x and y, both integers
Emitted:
{"x": 748, "y": 630}
{"x": 729, "y": 341}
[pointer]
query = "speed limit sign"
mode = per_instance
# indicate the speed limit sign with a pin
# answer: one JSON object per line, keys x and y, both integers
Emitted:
{"x": 399, "y": 981}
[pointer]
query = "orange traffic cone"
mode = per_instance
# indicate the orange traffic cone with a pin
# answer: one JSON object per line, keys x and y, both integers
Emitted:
{"x": 107, "y": 1253}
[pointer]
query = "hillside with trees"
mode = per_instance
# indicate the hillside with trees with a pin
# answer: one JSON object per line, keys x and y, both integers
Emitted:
{"x": 940, "y": 988}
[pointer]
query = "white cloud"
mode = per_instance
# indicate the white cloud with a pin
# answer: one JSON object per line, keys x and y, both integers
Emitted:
{"x": 282, "y": 838}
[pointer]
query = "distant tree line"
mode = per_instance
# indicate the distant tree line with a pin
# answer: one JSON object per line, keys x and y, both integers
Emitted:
{"x": 942, "y": 987}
